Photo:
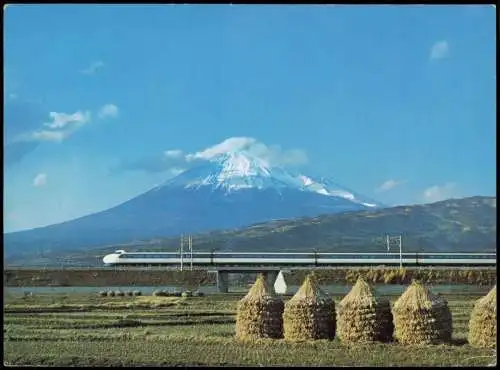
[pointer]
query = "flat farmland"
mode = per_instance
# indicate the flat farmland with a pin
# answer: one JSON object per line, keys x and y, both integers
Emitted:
{"x": 87, "y": 330}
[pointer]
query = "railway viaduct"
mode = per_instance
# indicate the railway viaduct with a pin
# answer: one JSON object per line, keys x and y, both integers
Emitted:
{"x": 270, "y": 275}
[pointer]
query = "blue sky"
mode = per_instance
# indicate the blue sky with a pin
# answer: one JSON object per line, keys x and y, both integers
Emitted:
{"x": 395, "y": 102}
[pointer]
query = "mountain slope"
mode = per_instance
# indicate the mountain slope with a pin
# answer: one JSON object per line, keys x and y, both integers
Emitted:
{"x": 228, "y": 191}
{"x": 456, "y": 225}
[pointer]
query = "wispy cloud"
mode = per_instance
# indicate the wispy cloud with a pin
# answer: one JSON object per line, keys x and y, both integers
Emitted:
{"x": 93, "y": 68}
{"x": 389, "y": 184}
{"x": 437, "y": 193}
{"x": 440, "y": 50}
{"x": 274, "y": 155}
{"x": 40, "y": 180}
{"x": 61, "y": 120}
{"x": 46, "y": 135}
{"x": 108, "y": 110}
{"x": 61, "y": 127}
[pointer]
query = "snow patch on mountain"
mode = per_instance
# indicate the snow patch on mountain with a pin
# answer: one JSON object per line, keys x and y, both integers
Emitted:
{"x": 238, "y": 170}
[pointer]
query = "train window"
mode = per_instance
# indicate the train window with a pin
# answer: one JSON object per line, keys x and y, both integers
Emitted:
{"x": 188, "y": 255}
{"x": 201, "y": 255}
{"x": 229, "y": 255}
{"x": 288, "y": 256}
{"x": 264, "y": 256}
{"x": 339, "y": 256}
{"x": 155, "y": 255}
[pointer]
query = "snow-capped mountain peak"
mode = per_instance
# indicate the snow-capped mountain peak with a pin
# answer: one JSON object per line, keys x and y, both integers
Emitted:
{"x": 233, "y": 171}
{"x": 239, "y": 170}
{"x": 240, "y": 164}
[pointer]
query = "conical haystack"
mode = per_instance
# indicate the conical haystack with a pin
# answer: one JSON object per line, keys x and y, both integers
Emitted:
{"x": 260, "y": 313}
{"x": 309, "y": 314}
{"x": 483, "y": 321}
{"x": 362, "y": 317}
{"x": 421, "y": 317}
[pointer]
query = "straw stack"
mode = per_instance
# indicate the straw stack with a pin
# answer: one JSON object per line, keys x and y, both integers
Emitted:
{"x": 309, "y": 314}
{"x": 259, "y": 313}
{"x": 421, "y": 317}
{"x": 483, "y": 321}
{"x": 362, "y": 317}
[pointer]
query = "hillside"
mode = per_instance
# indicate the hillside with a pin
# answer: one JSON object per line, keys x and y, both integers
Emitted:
{"x": 457, "y": 225}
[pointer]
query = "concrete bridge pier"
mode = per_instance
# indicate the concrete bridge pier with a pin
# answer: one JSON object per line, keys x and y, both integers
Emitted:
{"x": 270, "y": 277}
{"x": 223, "y": 281}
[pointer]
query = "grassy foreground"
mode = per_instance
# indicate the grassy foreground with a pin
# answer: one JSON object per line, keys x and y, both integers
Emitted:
{"x": 86, "y": 330}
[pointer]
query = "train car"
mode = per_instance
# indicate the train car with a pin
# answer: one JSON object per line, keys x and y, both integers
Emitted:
{"x": 314, "y": 259}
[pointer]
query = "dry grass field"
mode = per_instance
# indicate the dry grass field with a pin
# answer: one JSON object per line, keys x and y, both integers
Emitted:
{"x": 87, "y": 330}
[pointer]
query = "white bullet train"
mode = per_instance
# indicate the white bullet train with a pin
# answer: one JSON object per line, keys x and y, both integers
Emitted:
{"x": 123, "y": 258}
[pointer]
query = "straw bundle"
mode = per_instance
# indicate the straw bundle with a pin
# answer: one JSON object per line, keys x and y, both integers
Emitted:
{"x": 421, "y": 317}
{"x": 259, "y": 313}
{"x": 362, "y": 317}
{"x": 309, "y": 314}
{"x": 483, "y": 321}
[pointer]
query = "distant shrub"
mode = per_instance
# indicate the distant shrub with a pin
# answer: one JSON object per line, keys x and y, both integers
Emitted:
{"x": 103, "y": 293}
{"x": 136, "y": 293}
{"x": 119, "y": 293}
{"x": 129, "y": 293}
{"x": 111, "y": 293}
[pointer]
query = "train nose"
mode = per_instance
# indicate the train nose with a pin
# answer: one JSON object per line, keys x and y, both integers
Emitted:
{"x": 110, "y": 258}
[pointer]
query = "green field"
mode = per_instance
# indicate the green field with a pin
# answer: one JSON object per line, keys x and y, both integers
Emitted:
{"x": 87, "y": 330}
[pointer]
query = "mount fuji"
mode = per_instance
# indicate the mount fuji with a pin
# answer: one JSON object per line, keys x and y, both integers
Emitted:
{"x": 229, "y": 190}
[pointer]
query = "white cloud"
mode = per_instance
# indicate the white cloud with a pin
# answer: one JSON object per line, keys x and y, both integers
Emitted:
{"x": 108, "y": 110}
{"x": 176, "y": 153}
{"x": 229, "y": 145}
{"x": 93, "y": 67}
{"x": 440, "y": 50}
{"x": 46, "y": 135}
{"x": 274, "y": 155}
{"x": 437, "y": 193}
{"x": 60, "y": 128}
{"x": 40, "y": 179}
{"x": 177, "y": 171}
{"x": 389, "y": 184}
{"x": 60, "y": 120}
